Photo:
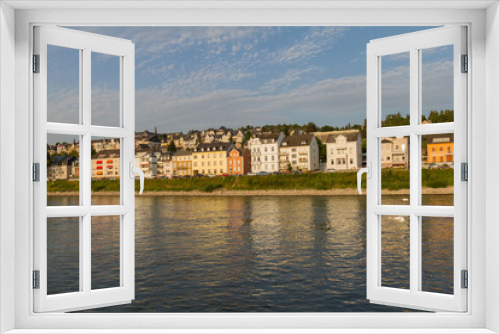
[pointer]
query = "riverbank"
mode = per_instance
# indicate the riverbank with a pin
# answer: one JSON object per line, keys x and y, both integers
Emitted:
{"x": 276, "y": 192}
{"x": 395, "y": 181}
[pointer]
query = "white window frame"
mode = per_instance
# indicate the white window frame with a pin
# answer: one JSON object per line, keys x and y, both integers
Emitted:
{"x": 413, "y": 43}
{"x": 124, "y": 50}
{"x": 484, "y": 311}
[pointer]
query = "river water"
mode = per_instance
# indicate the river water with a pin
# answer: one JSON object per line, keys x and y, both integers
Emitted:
{"x": 250, "y": 253}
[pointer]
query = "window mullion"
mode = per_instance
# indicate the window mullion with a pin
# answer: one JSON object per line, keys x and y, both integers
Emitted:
{"x": 415, "y": 253}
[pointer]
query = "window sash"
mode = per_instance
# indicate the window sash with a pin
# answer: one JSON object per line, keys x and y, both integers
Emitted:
{"x": 86, "y": 297}
{"x": 412, "y": 43}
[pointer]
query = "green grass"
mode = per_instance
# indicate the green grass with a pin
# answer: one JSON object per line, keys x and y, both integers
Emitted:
{"x": 392, "y": 179}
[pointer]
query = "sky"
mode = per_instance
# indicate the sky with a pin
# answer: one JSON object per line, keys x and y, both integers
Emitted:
{"x": 200, "y": 77}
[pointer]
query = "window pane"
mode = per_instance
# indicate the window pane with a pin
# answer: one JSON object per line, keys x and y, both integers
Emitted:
{"x": 395, "y": 89}
{"x": 395, "y": 170}
{"x": 105, "y": 252}
{"x": 437, "y": 254}
{"x": 438, "y": 169}
{"x": 395, "y": 251}
{"x": 63, "y": 170}
{"x": 437, "y": 84}
{"x": 63, "y": 85}
{"x": 105, "y": 171}
{"x": 63, "y": 255}
{"x": 105, "y": 90}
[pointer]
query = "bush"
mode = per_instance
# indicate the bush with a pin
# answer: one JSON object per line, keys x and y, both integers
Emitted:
{"x": 437, "y": 184}
{"x": 211, "y": 187}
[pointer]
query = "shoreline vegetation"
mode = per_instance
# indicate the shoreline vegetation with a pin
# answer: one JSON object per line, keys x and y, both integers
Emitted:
{"x": 394, "y": 182}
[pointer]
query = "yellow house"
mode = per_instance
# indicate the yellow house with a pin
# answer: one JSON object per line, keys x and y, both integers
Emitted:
{"x": 106, "y": 165}
{"x": 440, "y": 148}
{"x": 182, "y": 163}
{"x": 211, "y": 159}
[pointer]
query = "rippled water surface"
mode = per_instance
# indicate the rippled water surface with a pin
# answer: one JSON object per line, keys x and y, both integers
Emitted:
{"x": 252, "y": 254}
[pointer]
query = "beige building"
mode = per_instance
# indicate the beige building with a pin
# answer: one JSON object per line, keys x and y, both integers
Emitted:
{"x": 63, "y": 168}
{"x": 395, "y": 152}
{"x": 343, "y": 150}
{"x": 211, "y": 159}
{"x": 106, "y": 165}
{"x": 300, "y": 152}
{"x": 182, "y": 163}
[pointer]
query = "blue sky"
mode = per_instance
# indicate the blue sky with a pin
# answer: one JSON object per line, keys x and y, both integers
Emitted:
{"x": 199, "y": 77}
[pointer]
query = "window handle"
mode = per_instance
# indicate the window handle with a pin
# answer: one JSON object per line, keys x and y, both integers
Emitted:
{"x": 139, "y": 171}
{"x": 368, "y": 171}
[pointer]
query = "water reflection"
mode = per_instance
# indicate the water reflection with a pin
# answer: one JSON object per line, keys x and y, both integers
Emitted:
{"x": 252, "y": 254}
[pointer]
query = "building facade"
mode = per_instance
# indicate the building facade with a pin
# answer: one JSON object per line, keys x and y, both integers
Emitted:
{"x": 440, "y": 149}
{"x": 395, "y": 152}
{"x": 211, "y": 159}
{"x": 264, "y": 150}
{"x": 343, "y": 150}
{"x": 238, "y": 161}
{"x": 182, "y": 163}
{"x": 106, "y": 165}
{"x": 63, "y": 168}
{"x": 147, "y": 161}
{"x": 300, "y": 152}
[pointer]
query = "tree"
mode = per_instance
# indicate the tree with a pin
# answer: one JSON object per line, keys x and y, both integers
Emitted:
{"x": 74, "y": 153}
{"x": 248, "y": 135}
{"x": 93, "y": 152}
{"x": 311, "y": 127}
{"x": 171, "y": 146}
{"x": 289, "y": 167}
{"x": 322, "y": 150}
{"x": 326, "y": 128}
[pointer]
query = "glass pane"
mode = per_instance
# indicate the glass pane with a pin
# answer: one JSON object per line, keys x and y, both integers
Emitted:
{"x": 105, "y": 173}
{"x": 395, "y": 170}
{"x": 105, "y": 252}
{"x": 105, "y": 90}
{"x": 395, "y": 89}
{"x": 63, "y": 170}
{"x": 63, "y": 255}
{"x": 395, "y": 251}
{"x": 437, "y": 84}
{"x": 437, "y": 254}
{"x": 438, "y": 169}
{"x": 63, "y": 85}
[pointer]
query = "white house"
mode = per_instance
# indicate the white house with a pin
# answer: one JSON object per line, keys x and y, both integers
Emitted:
{"x": 343, "y": 150}
{"x": 264, "y": 150}
{"x": 147, "y": 161}
{"x": 299, "y": 152}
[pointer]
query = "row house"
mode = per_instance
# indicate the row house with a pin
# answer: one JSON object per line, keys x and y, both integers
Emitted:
{"x": 300, "y": 152}
{"x": 264, "y": 150}
{"x": 211, "y": 159}
{"x": 440, "y": 148}
{"x": 238, "y": 161}
{"x": 147, "y": 161}
{"x": 67, "y": 147}
{"x": 63, "y": 168}
{"x": 343, "y": 150}
{"x": 148, "y": 138}
{"x": 105, "y": 144}
{"x": 182, "y": 163}
{"x": 164, "y": 165}
{"x": 106, "y": 165}
{"x": 395, "y": 152}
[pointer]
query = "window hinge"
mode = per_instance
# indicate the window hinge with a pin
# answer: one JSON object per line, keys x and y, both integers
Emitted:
{"x": 465, "y": 63}
{"x": 36, "y": 279}
{"x": 464, "y": 171}
{"x": 36, "y": 172}
{"x": 36, "y": 63}
{"x": 465, "y": 279}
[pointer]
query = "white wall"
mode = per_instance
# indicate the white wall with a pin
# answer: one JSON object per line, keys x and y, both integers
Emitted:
{"x": 492, "y": 163}
{"x": 7, "y": 170}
